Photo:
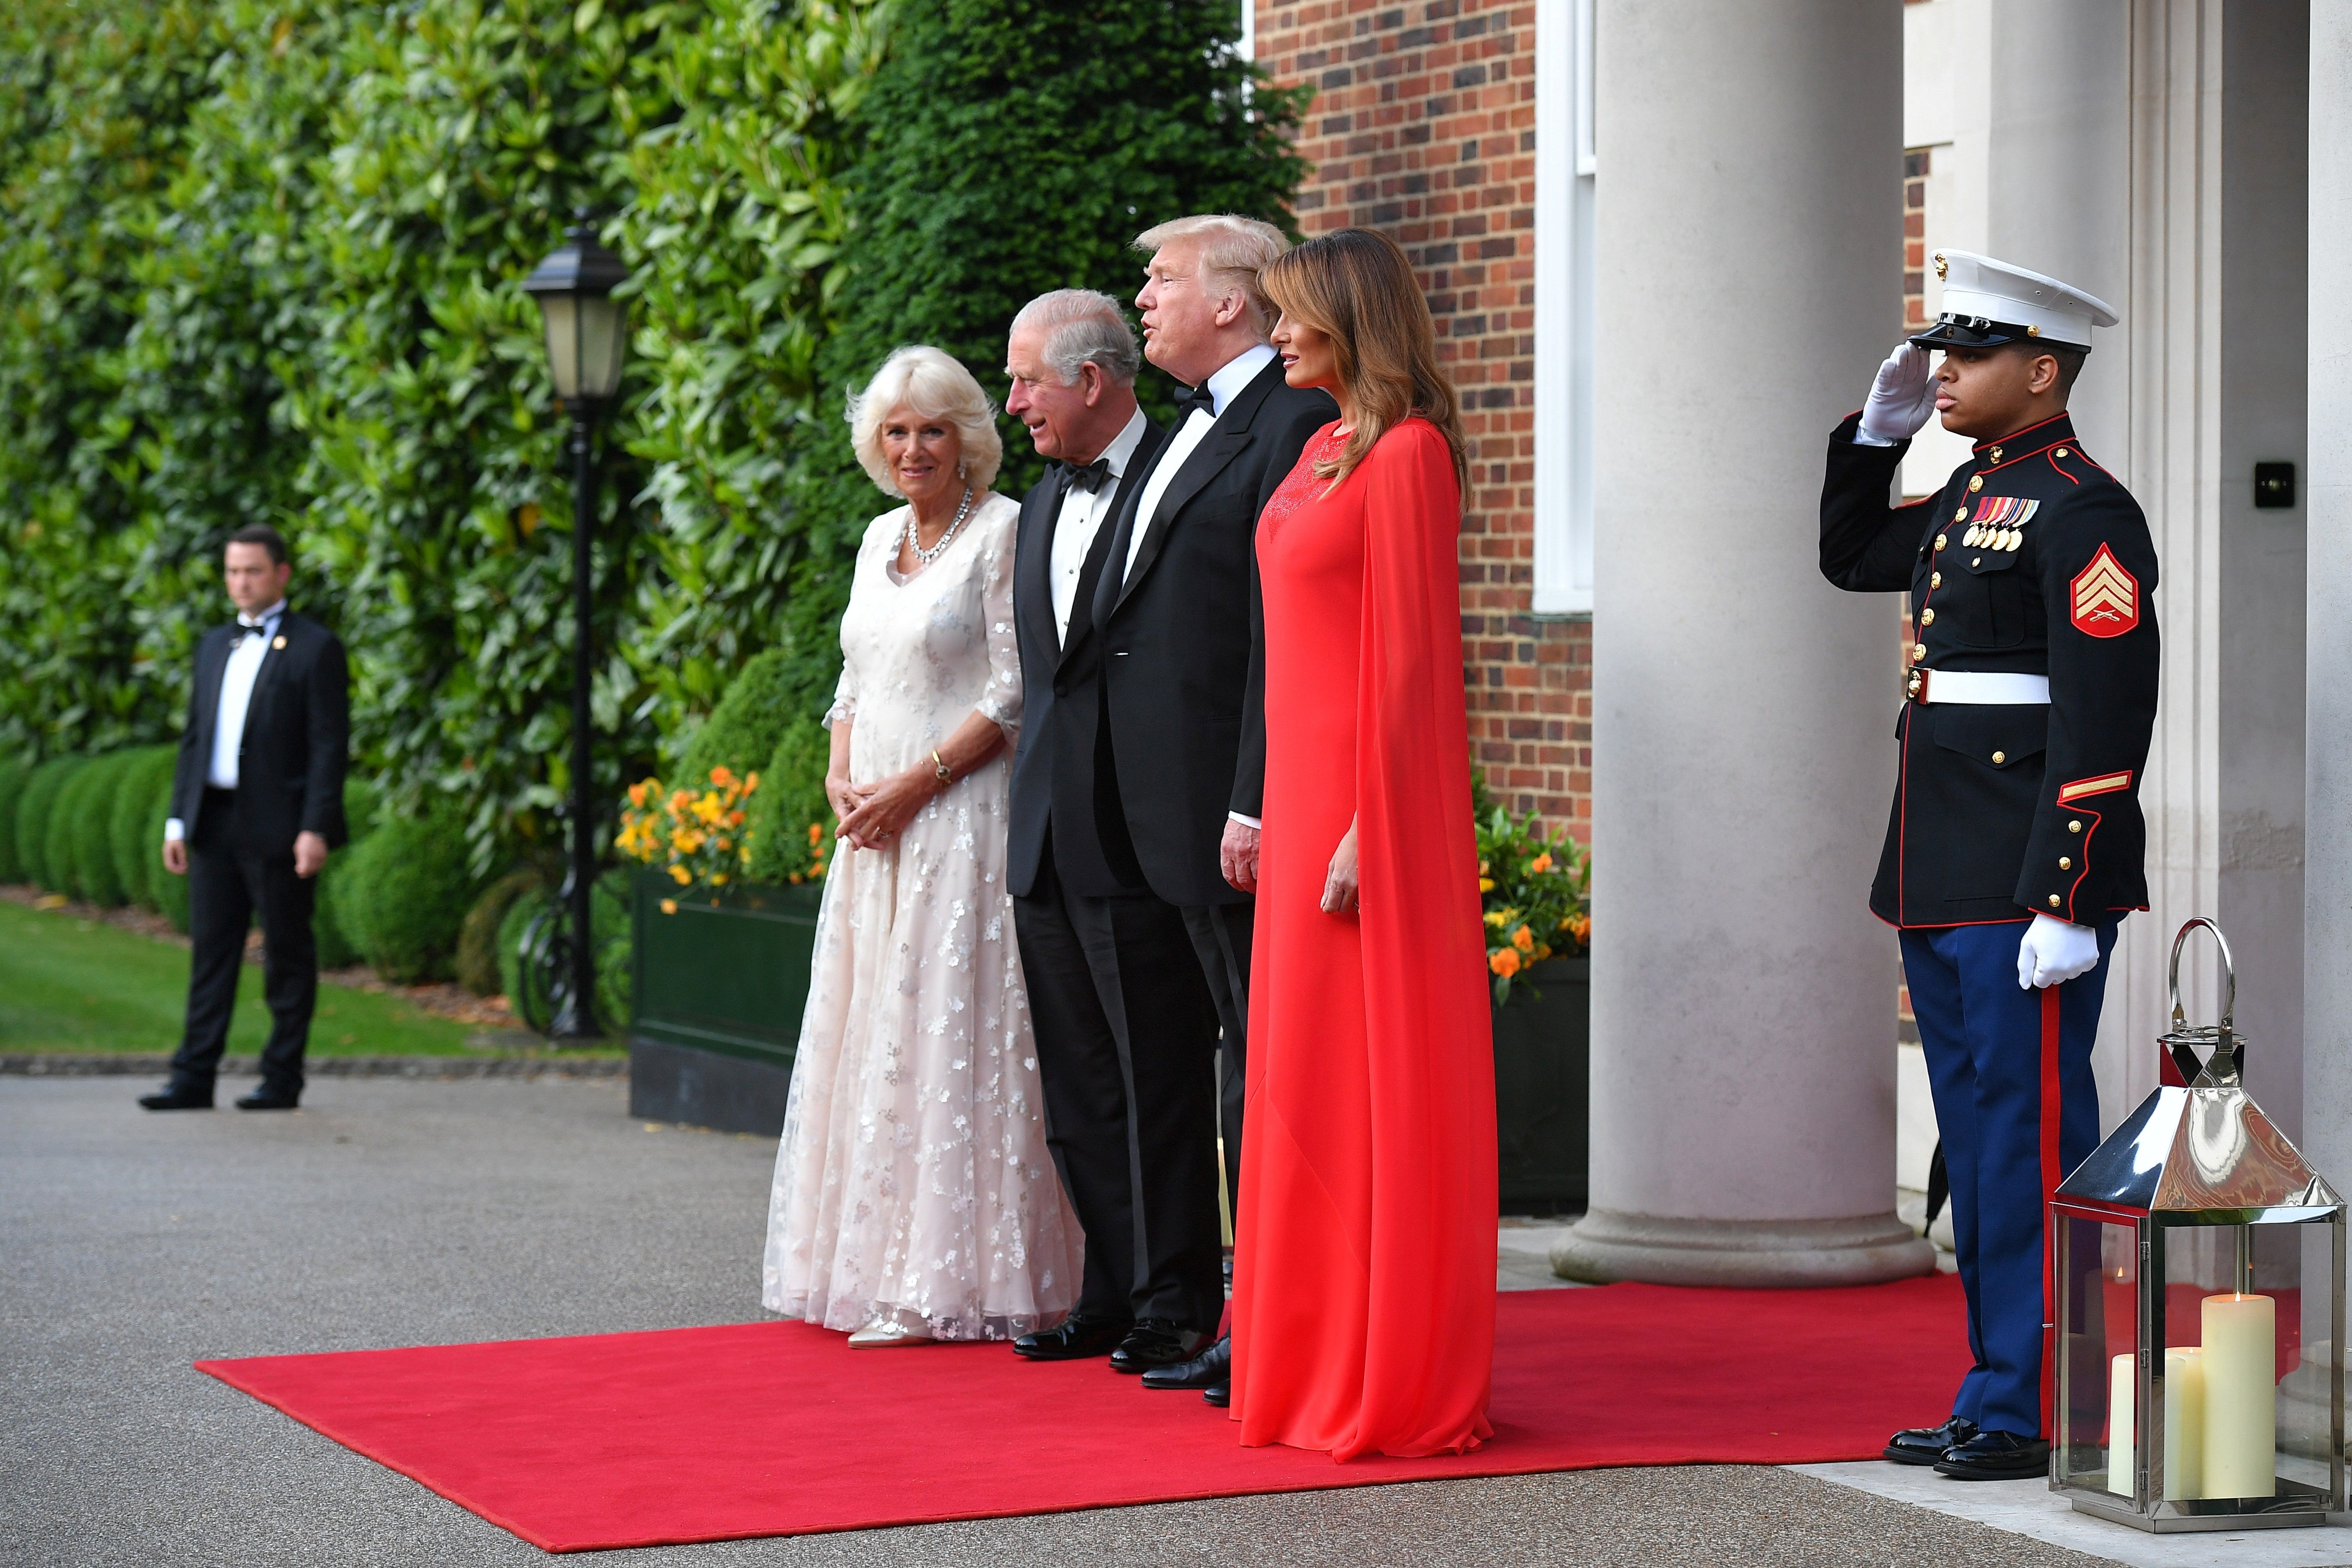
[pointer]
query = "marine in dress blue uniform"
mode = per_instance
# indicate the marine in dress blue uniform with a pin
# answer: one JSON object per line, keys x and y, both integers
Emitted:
{"x": 2014, "y": 844}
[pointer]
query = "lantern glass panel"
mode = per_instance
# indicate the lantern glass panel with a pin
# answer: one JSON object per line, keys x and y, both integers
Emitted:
{"x": 562, "y": 316}
{"x": 604, "y": 340}
{"x": 2098, "y": 1352}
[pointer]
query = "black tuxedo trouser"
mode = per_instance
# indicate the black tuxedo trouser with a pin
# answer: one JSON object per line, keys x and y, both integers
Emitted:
{"x": 1126, "y": 1037}
{"x": 1220, "y": 936}
{"x": 228, "y": 883}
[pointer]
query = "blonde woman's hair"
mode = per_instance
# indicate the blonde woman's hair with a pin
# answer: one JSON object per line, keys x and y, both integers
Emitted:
{"x": 935, "y": 386}
{"x": 1234, "y": 251}
{"x": 1355, "y": 286}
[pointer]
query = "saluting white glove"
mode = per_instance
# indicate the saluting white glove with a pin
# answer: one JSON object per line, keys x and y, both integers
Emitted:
{"x": 1902, "y": 397}
{"x": 2054, "y": 951}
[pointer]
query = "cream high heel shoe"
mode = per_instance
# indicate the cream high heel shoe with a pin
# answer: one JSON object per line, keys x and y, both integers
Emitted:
{"x": 884, "y": 1333}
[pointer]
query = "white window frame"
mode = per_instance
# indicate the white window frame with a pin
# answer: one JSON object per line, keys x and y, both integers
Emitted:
{"x": 1565, "y": 161}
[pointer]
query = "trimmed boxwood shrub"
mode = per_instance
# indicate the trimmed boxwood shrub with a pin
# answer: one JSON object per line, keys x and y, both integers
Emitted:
{"x": 337, "y": 950}
{"x": 790, "y": 797}
{"x": 85, "y": 815}
{"x": 33, "y": 808}
{"x": 742, "y": 731}
{"x": 478, "y": 969}
{"x": 137, "y": 860}
{"x": 404, "y": 896}
{"x": 170, "y": 892}
{"x": 12, "y": 789}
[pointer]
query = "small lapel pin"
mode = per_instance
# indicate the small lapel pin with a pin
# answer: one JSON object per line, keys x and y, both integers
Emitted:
{"x": 278, "y": 642}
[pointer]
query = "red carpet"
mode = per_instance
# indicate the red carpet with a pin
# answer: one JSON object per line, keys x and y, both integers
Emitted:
{"x": 779, "y": 1429}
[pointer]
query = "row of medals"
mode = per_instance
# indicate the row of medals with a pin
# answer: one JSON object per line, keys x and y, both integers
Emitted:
{"x": 1979, "y": 537}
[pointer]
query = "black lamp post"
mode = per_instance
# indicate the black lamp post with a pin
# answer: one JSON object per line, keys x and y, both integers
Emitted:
{"x": 586, "y": 340}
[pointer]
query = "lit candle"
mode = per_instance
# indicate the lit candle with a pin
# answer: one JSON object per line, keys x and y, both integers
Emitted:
{"x": 2184, "y": 1422}
{"x": 2240, "y": 1396}
{"x": 2123, "y": 1385}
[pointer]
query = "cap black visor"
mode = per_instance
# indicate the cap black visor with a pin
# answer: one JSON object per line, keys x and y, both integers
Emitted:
{"x": 1977, "y": 332}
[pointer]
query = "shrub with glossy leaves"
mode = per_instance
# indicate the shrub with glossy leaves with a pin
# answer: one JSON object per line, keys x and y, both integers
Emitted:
{"x": 12, "y": 789}
{"x": 404, "y": 894}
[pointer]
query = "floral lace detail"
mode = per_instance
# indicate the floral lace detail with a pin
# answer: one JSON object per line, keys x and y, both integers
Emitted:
{"x": 913, "y": 1181}
{"x": 1300, "y": 485}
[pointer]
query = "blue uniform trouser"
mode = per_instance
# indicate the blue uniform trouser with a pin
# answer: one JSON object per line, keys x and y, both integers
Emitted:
{"x": 1982, "y": 1035}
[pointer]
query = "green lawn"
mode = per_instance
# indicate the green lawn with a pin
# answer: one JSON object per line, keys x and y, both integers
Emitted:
{"x": 69, "y": 984}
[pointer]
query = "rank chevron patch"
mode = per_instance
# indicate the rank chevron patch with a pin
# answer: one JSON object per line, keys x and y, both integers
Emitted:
{"x": 2105, "y": 597}
{"x": 2004, "y": 511}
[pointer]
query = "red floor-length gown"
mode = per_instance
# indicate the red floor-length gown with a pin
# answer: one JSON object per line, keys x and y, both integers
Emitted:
{"x": 1364, "y": 1265}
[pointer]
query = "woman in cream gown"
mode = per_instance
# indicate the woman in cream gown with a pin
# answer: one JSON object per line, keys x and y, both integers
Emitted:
{"x": 915, "y": 1199}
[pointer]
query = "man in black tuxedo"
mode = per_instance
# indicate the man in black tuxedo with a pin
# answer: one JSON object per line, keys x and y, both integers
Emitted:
{"x": 257, "y": 803}
{"x": 1122, "y": 1019}
{"x": 1177, "y": 612}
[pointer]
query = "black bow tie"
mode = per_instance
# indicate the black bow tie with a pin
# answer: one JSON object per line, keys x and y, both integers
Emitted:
{"x": 1199, "y": 398}
{"x": 1090, "y": 478}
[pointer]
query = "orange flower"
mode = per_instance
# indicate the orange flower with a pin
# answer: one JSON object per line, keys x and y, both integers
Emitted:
{"x": 816, "y": 834}
{"x": 1524, "y": 939}
{"x": 723, "y": 777}
{"x": 1540, "y": 864}
{"x": 750, "y": 783}
{"x": 669, "y": 906}
{"x": 637, "y": 792}
{"x": 1580, "y": 928}
{"x": 680, "y": 874}
{"x": 734, "y": 819}
{"x": 1504, "y": 962}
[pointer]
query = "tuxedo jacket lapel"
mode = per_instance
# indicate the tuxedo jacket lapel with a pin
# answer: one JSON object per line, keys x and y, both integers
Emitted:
{"x": 1033, "y": 586}
{"x": 212, "y": 662}
{"x": 1227, "y": 441}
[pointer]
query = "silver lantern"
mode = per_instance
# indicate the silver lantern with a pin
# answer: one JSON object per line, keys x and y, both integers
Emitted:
{"x": 2198, "y": 1281}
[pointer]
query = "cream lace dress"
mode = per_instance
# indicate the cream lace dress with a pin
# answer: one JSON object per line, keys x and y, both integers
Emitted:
{"x": 914, "y": 1180}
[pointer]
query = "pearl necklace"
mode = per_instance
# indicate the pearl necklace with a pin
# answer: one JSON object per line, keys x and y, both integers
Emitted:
{"x": 915, "y": 539}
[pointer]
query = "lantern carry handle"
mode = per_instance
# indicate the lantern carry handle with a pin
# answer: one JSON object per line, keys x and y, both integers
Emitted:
{"x": 2228, "y": 1059}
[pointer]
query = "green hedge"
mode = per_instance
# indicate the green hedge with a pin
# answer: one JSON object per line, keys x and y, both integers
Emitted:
{"x": 403, "y": 896}
{"x": 788, "y": 802}
{"x": 478, "y": 969}
{"x": 609, "y": 922}
{"x": 85, "y": 817}
{"x": 35, "y": 809}
{"x": 137, "y": 860}
{"x": 337, "y": 950}
{"x": 170, "y": 892}
{"x": 742, "y": 731}
{"x": 12, "y": 789}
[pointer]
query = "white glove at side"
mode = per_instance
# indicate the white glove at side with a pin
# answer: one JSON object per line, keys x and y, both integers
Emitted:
{"x": 2054, "y": 951}
{"x": 1902, "y": 397}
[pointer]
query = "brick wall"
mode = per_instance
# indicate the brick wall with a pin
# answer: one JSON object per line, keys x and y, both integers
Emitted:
{"x": 1422, "y": 125}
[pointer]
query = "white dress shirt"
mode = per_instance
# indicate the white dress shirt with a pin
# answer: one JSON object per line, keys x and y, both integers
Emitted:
{"x": 1225, "y": 383}
{"x": 237, "y": 676}
{"x": 1081, "y": 518}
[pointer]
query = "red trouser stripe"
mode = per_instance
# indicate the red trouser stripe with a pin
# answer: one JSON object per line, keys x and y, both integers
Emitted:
{"x": 2051, "y": 1176}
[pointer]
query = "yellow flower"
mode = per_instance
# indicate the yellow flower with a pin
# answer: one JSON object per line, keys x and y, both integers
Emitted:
{"x": 708, "y": 809}
{"x": 750, "y": 783}
{"x": 1524, "y": 939}
{"x": 1543, "y": 951}
{"x": 1504, "y": 962}
{"x": 1482, "y": 868}
{"x": 669, "y": 906}
{"x": 1485, "y": 884}
{"x": 680, "y": 874}
{"x": 718, "y": 878}
{"x": 1495, "y": 917}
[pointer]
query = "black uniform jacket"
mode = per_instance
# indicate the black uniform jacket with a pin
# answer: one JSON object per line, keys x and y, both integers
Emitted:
{"x": 1056, "y": 780}
{"x": 290, "y": 760}
{"x": 1183, "y": 649}
{"x": 2033, "y": 559}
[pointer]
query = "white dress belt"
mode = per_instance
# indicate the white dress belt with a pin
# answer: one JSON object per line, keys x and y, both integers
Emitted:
{"x": 1977, "y": 688}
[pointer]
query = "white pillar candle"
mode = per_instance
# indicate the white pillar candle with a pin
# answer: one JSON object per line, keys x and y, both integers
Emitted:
{"x": 2123, "y": 1387}
{"x": 2184, "y": 1423}
{"x": 2240, "y": 1396}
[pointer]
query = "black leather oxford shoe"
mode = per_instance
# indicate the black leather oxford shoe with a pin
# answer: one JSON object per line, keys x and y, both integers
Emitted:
{"x": 270, "y": 1097}
{"x": 1925, "y": 1444}
{"x": 1209, "y": 1368}
{"x": 1996, "y": 1457}
{"x": 1077, "y": 1339}
{"x": 1221, "y": 1396}
{"x": 179, "y": 1097}
{"x": 1154, "y": 1341}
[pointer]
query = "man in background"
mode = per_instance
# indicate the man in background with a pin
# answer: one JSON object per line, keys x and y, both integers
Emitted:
{"x": 257, "y": 803}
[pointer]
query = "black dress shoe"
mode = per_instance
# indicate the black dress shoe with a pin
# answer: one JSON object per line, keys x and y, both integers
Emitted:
{"x": 179, "y": 1097}
{"x": 1077, "y": 1339}
{"x": 1154, "y": 1341}
{"x": 266, "y": 1097}
{"x": 1996, "y": 1457}
{"x": 1210, "y": 1368}
{"x": 1222, "y": 1396}
{"x": 1925, "y": 1444}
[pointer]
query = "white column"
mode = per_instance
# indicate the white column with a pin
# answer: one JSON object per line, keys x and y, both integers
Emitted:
{"x": 2327, "y": 489}
{"x": 1748, "y": 269}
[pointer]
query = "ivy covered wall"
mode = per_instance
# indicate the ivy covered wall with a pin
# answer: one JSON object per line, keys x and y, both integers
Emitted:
{"x": 259, "y": 261}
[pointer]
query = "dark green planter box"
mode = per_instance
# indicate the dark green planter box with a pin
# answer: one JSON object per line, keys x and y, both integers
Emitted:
{"x": 719, "y": 990}
{"x": 1543, "y": 1088}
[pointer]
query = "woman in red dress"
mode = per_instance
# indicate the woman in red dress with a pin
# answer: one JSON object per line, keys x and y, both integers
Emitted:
{"x": 1364, "y": 1266}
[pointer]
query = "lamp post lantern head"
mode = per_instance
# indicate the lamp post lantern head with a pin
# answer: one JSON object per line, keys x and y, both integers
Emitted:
{"x": 586, "y": 328}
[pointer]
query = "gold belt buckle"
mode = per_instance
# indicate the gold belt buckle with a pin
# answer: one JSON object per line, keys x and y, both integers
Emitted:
{"x": 1915, "y": 685}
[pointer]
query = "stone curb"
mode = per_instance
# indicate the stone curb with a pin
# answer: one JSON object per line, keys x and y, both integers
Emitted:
{"x": 60, "y": 1064}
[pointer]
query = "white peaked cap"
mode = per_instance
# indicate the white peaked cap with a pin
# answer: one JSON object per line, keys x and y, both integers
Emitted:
{"x": 1987, "y": 302}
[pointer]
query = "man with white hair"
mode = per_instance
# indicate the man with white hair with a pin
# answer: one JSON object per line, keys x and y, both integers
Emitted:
{"x": 1177, "y": 610}
{"x": 1119, "y": 1006}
